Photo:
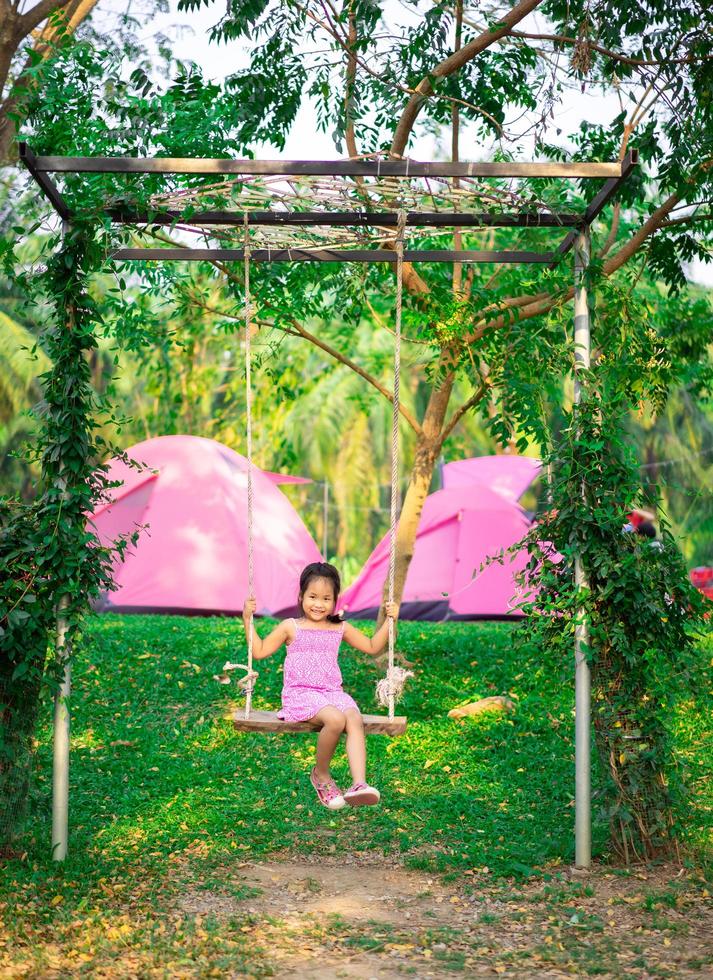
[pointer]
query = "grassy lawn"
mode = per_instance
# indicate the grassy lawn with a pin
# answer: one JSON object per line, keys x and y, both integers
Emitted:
{"x": 168, "y": 799}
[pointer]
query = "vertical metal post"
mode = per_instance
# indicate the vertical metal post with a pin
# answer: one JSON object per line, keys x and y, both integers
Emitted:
{"x": 325, "y": 521}
{"x": 60, "y": 759}
{"x": 61, "y": 722}
{"x": 549, "y": 476}
{"x": 582, "y": 681}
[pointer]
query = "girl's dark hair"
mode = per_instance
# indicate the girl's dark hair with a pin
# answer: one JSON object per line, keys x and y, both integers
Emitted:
{"x": 321, "y": 569}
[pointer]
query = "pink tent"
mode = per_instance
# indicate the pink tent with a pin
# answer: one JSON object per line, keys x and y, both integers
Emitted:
{"x": 509, "y": 475}
{"x": 193, "y": 556}
{"x": 279, "y": 478}
{"x": 459, "y": 529}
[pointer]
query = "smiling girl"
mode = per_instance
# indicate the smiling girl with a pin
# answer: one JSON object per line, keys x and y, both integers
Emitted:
{"x": 312, "y": 688}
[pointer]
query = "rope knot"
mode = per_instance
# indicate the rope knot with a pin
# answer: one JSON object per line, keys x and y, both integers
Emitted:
{"x": 402, "y": 218}
{"x": 246, "y": 683}
{"x": 392, "y": 686}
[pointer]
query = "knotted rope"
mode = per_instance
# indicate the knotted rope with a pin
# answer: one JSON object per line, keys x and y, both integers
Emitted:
{"x": 390, "y": 688}
{"x": 224, "y": 678}
{"x": 249, "y": 680}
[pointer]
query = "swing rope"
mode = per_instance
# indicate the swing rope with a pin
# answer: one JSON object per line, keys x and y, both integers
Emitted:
{"x": 388, "y": 689}
{"x": 393, "y": 682}
{"x": 249, "y": 680}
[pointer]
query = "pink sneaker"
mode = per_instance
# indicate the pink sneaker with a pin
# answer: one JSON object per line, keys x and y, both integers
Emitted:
{"x": 361, "y": 794}
{"x": 328, "y": 793}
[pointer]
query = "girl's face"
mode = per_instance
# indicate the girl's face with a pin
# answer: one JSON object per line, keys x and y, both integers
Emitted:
{"x": 318, "y": 600}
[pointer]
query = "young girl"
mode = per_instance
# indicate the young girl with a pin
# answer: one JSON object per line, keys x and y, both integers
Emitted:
{"x": 312, "y": 687}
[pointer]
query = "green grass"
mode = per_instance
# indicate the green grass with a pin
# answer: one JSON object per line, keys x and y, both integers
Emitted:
{"x": 162, "y": 783}
{"x": 156, "y": 766}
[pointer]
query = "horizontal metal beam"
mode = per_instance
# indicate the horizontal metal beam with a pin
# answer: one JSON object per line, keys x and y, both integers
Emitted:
{"x": 601, "y": 199}
{"x": 385, "y": 219}
{"x": 337, "y": 168}
{"x": 616, "y": 173}
{"x": 47, "y": 186}
{"x": 324, "y": 255}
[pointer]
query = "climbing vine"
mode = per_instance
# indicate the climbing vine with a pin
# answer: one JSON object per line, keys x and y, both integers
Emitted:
{"x": 52, "y": 564}
{"x": 641, "y": 612}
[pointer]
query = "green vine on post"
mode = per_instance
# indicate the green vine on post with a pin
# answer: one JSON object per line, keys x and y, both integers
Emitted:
{"x": 643, "y": 615}
{"x": 70, "y": 449}
{"x": 48, "y": 555}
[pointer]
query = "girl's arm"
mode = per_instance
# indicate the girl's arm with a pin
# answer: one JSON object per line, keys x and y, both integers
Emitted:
{"x": 273, "y": 641}
{"x": 376, "y": 643}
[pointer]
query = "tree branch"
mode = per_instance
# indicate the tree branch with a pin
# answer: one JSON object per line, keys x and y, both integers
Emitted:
{"x": 652, "y": 224}
{"x": 687, "y": 219}
{"x": 75, "y": 11}
{"x": 457, "y": 277}
{"x": 384, "y": 326}
{"x": 625, "y": 59}
{"x": 343, "y": 359}
{"x": 349, "y": 132}
{"x": 476, "y": 397}
{"x": 451, "y": 64}
{"x": 44, "y": 9}
{"x": 344, "y": 42}
{"x": 300, "y": 331}
{"x": 611, "y": 237}
{"x": 531, "y": 306}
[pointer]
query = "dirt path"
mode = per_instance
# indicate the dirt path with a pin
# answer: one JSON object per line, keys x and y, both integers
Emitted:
{"x": 354, "y": 917}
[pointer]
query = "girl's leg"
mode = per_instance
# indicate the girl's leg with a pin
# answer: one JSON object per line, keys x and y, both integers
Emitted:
{"x": 356, "y": 746}
{"x": 333, "y": 724}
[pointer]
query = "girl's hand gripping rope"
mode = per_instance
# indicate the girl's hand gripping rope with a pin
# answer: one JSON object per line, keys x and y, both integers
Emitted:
{"x": 249, "y": 609}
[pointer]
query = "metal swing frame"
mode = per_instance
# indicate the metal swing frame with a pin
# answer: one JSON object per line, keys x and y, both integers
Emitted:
{"x": 577, "y": 238}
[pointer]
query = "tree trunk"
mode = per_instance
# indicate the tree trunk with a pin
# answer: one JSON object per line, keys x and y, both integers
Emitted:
{"x": 51, "y": 35}
{"x": 428, "y": 448}
{"x": 8, "y": 42}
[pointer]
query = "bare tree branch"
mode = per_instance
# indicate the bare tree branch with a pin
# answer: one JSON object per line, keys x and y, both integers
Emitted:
{"x": 343, "y": 359}
{"x": 474, "y": 399}
{"x": 614, "y": 55}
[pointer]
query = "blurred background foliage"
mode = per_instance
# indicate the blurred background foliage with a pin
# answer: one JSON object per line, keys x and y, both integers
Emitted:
{"x": 315, "y": 417}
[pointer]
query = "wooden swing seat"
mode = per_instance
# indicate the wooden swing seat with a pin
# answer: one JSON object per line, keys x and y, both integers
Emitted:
{"x": 267, "y": 721}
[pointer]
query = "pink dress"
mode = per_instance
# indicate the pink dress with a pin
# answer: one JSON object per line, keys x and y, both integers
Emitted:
{"x": 312, "y": 678}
